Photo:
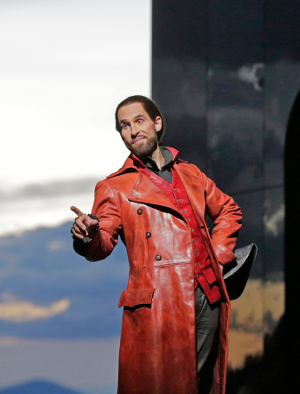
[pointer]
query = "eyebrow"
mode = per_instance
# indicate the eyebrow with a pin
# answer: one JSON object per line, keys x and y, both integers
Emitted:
{"x": 135, "y": 117}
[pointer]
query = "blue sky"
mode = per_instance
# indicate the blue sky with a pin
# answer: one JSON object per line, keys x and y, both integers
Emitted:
{"x": 76, "y": 346}
{"x": 41, "y": 267}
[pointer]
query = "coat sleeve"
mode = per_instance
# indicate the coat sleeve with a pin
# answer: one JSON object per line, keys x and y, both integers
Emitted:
{"x": 106, "y": 207}
{"x": 227, "y": 217}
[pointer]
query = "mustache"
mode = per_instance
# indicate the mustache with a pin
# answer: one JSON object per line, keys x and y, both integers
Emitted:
{"x": 137, "y": 137}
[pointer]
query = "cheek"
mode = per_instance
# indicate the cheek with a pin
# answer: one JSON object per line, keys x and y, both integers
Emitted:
{"x": 124, "y": 136}
{"x": 126, "y": 139}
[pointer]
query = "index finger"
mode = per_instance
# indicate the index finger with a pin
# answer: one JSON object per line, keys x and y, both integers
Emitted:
{"x": 76, "y": 210}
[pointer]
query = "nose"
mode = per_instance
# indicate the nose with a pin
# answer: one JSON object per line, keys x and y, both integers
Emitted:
{"x": 134, "y": 130}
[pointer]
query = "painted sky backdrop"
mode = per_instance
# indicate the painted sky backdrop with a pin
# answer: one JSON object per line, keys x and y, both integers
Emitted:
{"x": 59, "y": 319}
{"x": 65, "y": 65}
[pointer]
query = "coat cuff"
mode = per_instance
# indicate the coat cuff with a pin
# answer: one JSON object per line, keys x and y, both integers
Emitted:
{"x": 223, "y": 254}
{"x": 79, "y": 246}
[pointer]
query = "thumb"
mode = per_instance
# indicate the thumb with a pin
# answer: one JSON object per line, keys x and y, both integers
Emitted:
{"x": 94, "y": 222}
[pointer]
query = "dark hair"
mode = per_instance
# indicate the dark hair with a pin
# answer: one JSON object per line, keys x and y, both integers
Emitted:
{"x": 149, "y": 106}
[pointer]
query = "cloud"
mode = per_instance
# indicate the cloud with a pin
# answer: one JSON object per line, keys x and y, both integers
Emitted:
{"x": 60, "y": 83}
{"x": 57, "y": 245}
{"x": 45, "y": 204}
{"x": 60, "y": 78}
{"x": 249, "y": 74}
{"x": 13, "y": 310}
{"x": 41, "y": 266}
{"x": 49, "y": 189}
{"x": 8, "y": 341}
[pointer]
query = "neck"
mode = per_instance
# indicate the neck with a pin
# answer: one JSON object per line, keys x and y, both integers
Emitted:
{"x": 158, "y": 157}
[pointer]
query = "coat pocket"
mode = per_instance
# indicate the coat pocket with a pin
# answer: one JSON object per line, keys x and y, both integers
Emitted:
{"x": 136, "y": 297}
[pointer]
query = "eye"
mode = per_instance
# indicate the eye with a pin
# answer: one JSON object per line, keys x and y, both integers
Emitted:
{"x": 140, "y": 121}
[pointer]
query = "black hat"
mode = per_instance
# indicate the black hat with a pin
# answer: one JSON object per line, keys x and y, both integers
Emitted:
{"x": 236, "y": 273}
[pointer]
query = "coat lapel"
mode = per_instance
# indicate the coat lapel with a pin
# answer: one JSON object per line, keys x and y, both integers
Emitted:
{"x": 195, "y": 188}
{"x": 146, "y": 192}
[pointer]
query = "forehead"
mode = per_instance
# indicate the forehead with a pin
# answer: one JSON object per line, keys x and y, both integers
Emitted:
{"x": 131, "y": 110}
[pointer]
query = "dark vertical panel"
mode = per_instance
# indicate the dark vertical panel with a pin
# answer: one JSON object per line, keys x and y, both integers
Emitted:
{"x": 179, "y": 74}
{"x": 235, "y": 143}
{"x": 226, "y": 74}
{"x": 235, "y": 103}
{"x": 179, "y": 29}
{"x": 273, "y": 250}
{"x": 282, "y": 118}
{"x": 282, "y": 30}
{"x": 252, "y": 229}
{"x": 282, "y": 80}
{"x": 273, "y": 234}
{"x": 292, "y": 192}
{"x": 292, "y": 266}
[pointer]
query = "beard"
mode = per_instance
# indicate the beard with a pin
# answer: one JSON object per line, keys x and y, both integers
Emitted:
{"x": 145, "y": 150}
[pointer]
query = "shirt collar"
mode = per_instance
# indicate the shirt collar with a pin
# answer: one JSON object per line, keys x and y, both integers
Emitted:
{"x": 169, "y": 155}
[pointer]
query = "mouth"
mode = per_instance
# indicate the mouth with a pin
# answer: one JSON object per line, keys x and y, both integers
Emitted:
{"x": 136, "y": 140}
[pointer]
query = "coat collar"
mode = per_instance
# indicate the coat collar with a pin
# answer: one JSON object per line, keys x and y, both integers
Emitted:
{"x": 132, "y": 163}
{"x": 127, "y": 166}
{"x": 144, "y": 190}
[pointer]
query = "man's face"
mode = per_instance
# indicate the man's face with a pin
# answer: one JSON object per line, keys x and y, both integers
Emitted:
{"x": 138, "y": 130}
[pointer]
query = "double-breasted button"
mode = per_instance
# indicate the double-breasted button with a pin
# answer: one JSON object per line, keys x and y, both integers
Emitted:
{"x": 197, "y": 264}
{"x": 158, "y": 257}
{"x": 194, "y": 241}
{"x": 148, "y": 234}
{"x": 198, "y": 275}
{"x": 196, "y": 252}
{"x": 139, "y": 211}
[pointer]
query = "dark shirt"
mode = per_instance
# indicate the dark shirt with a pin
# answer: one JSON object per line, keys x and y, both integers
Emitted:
{"x": 165, "y": 171}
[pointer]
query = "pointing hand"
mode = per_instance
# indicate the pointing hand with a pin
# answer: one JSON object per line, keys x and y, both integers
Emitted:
{"x": 84, "y": 225}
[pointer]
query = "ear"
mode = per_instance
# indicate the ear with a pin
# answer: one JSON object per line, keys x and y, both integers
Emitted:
{"x": 158, "y": 124}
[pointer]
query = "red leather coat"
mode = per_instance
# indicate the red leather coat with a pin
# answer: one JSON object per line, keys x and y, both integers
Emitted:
{"x": 158, "y": 350}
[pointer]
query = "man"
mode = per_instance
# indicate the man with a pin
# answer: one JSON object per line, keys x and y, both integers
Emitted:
{"x": 176, "y": 307}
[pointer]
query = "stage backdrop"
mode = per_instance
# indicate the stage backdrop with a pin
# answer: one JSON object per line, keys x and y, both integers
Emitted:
{"x": 226, "y": 75}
